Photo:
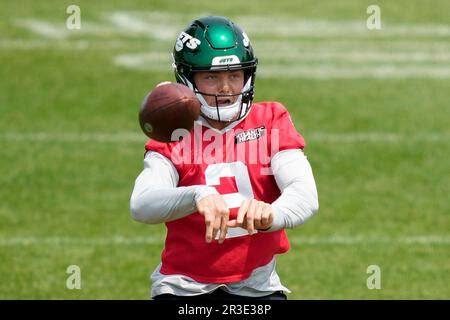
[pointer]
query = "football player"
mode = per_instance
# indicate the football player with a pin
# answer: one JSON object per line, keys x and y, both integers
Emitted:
{"x": 225, "y": 205}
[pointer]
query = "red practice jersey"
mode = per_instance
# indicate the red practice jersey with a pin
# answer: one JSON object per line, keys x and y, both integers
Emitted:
{"x": 237, "y": 164}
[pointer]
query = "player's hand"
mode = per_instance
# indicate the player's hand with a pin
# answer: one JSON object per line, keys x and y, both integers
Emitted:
{"x": 216, "y": 214}
{"x": 253, "y": 215}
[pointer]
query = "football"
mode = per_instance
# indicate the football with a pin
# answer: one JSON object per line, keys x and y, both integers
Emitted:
{"x": 169, "y": 106}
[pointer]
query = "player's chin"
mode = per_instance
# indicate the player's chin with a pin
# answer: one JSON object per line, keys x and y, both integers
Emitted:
{"x": 229, "y": 121}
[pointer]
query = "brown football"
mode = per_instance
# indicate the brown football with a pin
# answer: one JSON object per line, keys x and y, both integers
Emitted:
{"x": 169, "y": 106}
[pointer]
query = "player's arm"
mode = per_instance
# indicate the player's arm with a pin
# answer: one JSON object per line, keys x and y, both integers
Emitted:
{"x": 299, "y": 199}
{"x": 156, "y": 197}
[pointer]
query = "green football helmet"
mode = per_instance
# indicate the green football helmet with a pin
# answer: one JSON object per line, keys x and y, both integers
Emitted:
{"x": 215, "y": 43}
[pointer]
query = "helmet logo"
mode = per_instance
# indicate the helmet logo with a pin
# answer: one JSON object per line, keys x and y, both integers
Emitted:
{"x": 245, "y": 40}
{"x": 188, "y": 40}
{"x": 217, "y": 61}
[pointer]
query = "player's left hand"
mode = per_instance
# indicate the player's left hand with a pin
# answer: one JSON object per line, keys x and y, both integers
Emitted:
{"x": 253, "y": 215}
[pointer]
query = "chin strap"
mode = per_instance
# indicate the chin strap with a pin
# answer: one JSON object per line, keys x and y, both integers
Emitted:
{"x": 225, "y": 113}
{"x": 228, "y": 113}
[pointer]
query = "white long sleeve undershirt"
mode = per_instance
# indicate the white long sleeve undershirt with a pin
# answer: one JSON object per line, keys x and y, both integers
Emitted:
{"x": 298, "y": 201}
{"x": 157, "y": 199}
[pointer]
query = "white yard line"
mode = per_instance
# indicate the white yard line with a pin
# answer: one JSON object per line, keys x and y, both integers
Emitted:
{"x": 156, "y": 61}
{"x": 45, "y": 29}
{"x": 159, "y": 240}
{"x": 292, "y": 27}
{"x": 352, "y": 71}
{"x": 74, "y": 137}
{"x": 162, "y": 25}
{"x": 322, "y": 63}
{"x": 348, "y": 50}
{"x": 268, "y": 48}
{"x": 137, "y": 24}
{"x": 354, "y": 55}
{"x": 131, "y": 137}
{"x": 382, "y": 137}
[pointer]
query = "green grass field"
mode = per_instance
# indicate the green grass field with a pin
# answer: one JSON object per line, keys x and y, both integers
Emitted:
{"x": 373, "y": 106}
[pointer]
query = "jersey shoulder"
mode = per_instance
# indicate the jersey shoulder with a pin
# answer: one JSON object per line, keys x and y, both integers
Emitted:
{"x": 163, "y": 148}
{"x": 277, "y": 120}
{"x": 271, "y": 112}
{"x": 270, "y": 106}
{"x": 270, "y": 109}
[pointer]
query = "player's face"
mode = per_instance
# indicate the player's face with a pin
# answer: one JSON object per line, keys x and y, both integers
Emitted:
{"x": 220, "y": 82}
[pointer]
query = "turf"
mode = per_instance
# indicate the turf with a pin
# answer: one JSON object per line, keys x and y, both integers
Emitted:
{"x": 71, "y": 146}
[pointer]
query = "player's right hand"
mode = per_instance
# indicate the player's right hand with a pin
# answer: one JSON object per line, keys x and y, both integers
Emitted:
{"x": 216, "y": 214}
{"x": 253, "y": 215}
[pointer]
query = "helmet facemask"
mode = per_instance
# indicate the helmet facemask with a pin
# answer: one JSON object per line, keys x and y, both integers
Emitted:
{"x": 232, "y": 112}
